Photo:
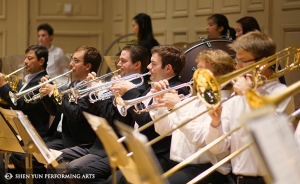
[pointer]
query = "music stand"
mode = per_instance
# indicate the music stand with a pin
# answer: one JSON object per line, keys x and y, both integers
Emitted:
{"x": 9, "y": 138}
{"x": 116, "y": 152}
{"x": 143, "y": 155}
{"x": 33, "y": 145}
{"x": 275, "y": 144}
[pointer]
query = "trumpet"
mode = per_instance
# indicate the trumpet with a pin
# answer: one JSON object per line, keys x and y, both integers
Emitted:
{"x": 124, "y": 105}
{"x": 12, "y": 82}
{"x": 94, "y": 90}
{"x": 26, "y": 93}
{"x": 208, "y": 87}
{"x": 82, "y": 84}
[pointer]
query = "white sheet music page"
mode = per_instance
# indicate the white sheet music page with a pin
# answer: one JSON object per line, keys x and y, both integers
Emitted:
{"x": 275, "y": 143}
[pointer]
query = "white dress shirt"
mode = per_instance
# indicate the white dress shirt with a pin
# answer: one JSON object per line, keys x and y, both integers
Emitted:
{"x": 55, "y": 56}
{"x": 191, "y": 137}
{"x": 245, "y": 163}
{"x": 297, "y": 135}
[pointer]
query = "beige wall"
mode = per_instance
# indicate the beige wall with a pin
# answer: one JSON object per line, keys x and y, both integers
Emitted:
{"x": 98, "y": 22}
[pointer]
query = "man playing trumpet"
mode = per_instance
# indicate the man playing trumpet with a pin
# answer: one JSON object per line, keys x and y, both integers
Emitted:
{"x": 191, "y": 137}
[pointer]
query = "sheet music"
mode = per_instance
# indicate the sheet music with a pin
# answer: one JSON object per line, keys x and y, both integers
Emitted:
{"x": 40, "y": 149}
{"x": 275, "y": 142}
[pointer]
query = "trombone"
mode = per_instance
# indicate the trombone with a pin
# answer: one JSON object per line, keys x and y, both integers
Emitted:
{"x": 255, "y": 101}
{"x": 208, "y": 87}
{"x": 26, "y": 93}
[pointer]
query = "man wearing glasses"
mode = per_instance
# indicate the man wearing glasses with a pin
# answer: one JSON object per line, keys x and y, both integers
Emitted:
{"x": 249, "y": 48}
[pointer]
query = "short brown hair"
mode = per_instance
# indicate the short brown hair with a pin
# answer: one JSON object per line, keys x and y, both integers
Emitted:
{"x": 91, "y": 55}
{"x": 221, "y": 62}
{"x": 138, "y": 53}
{"x": 170, "y": 55}
{"x": 257, "y": 43}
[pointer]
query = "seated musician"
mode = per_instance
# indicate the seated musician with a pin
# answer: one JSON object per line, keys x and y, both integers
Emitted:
{"x": 249, "y": 48}
{"x": 166, "y": 63}
{"x": 36, "y": 58}
{"x": 75, "y": 130}
{"x": 191, "y": 137}
{"x": 133, "y": 60}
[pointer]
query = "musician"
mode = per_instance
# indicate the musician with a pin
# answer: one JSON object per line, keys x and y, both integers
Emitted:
{"x": 218, "y": 27}
{"x": 133, "y": 60}
{"x": 75, "y": 130}
{"x": 249, "y": 48}
{"x": 191, "y": 137}
{"x": 36, "y": 58}
{"x": 245, "y": 25}
{"x": 166, "y": 63}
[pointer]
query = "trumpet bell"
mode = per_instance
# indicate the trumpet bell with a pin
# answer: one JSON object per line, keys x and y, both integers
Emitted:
{"x": 13, "y": 98}
{"x": 119, "y": 103}
{"x": 207, "y": 87}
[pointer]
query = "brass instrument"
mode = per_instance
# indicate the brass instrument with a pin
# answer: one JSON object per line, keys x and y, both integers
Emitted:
{"x": 123, "y": 105}
{"x": 255, "y": 101}
{"x": 208, "y": 87}
{"x": 26, "y": 93}
{"x": 82, "y": 84}
{"x": 12, "y": 81}
{"x": 94, "y": 90}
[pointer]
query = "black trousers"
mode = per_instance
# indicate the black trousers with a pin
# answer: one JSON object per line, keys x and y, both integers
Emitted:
{"x": 18, "y": 159}
{"x": 190, "y": 171}
{"x": 250, "y": 180}
{"x": 83, "y": 163}
{"x": 163, "y": 159}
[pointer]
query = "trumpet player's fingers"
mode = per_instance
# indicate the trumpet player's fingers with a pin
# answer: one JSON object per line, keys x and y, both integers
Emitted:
{"x": 46, "y": 89}
{"x": 115, "y": 77}
{"x": 44, "y": 79}
{"x": 89, "y": 77}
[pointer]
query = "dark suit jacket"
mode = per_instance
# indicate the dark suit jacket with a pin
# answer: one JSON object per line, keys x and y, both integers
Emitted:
{"x": 76, "y": 131}
{"x": 35, "y": 111}
{"x": 144, "y": 118}
{"x": 107, "y": 110}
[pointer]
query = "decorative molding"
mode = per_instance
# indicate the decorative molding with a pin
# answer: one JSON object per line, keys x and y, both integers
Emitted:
{"x": 159, "y": 9}
{"x": 288, "y": 28}
{"x": 161, "y": 36}
{"x": 74, "y": 16}
{"x": 290, "y": 4}
{"x": 3, "y": 42}
{"x": 119, "y": 12}
{"x": 180, "y": 33}
{"x": 231, "y": 6}
{"x": 180, "y": 8}
{"x": 23, "y": 14}
{"x": 200, "y": 32}
{"x": 3, "y": 10}
{"x": 256, "y": 5}
{"x": 82, "y": 33}
{"x": 204, "y": 7}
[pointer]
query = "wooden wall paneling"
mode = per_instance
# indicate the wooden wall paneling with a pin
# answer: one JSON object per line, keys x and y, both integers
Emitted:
{"x": 180, "y": 35}
{"x": 23, "y": 16}
{"x": 2, "y": 9}
{"x": 256, "y": 5}
{"x": 180, "y": 8}
{"x": 158, "y": 9}
{"x": 230, "y": 6}
{"x": 203, "y": 7}
{"x": 2, "y": 42}
{"x": 80, "y": 10}
{"x": 290, "y": 4}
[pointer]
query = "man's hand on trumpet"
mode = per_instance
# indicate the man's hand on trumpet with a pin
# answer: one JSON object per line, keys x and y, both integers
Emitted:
{"x": 92, "y": 76}
{"x": 168, "y": 99}
{"x": 121, "y": 87}
{"x": 47, "y": 88}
